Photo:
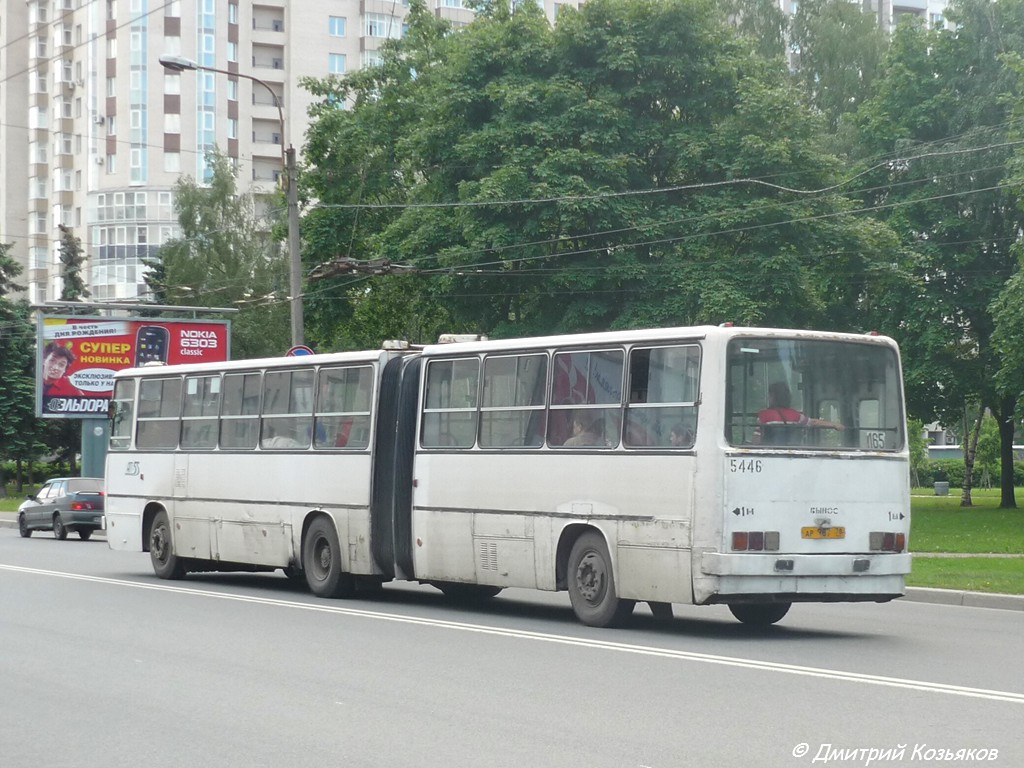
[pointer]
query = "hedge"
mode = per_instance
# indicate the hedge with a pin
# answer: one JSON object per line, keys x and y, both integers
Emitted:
{"x": 952, "y": 471}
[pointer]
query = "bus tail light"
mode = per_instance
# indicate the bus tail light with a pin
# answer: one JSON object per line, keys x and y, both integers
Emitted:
{"x": 755, "y": 541}
{"x": 887, "y": 541}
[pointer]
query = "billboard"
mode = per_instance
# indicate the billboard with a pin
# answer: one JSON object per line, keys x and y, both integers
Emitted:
{"x": 76, "y": 357}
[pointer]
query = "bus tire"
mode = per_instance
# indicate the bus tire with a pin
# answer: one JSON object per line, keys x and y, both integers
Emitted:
{"x": 592, "y": 584}
{"x": 321, "y": 562}
{"x": 460, "y": 592}
{"x": 759, "y": 614}
{"x": 166, "y": 564}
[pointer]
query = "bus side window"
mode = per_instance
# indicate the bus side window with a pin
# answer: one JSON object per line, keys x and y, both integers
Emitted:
{"x": 450, "y": 403}
{"x": 664, "y": 383}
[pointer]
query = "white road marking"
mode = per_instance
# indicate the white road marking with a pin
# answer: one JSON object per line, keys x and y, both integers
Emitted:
{"x": 643, "y": 650}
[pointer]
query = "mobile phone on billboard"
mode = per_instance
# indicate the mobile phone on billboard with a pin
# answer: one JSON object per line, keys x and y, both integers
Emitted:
{"x": 151, "y": 345}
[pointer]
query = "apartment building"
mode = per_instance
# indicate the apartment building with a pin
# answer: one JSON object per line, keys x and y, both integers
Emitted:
{"x": 95, "y": 131}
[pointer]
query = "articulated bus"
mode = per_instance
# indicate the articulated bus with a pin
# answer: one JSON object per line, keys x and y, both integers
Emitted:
{"x": 747, "y": 467}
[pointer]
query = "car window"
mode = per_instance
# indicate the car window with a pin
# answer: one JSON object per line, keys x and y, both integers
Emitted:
{"x": 85, "y": 484}
{"x": 58, "y": 489}
{"x": 45, "y": 491}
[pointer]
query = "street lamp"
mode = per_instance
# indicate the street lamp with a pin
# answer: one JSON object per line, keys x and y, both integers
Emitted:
{"x": 180, "y": 64}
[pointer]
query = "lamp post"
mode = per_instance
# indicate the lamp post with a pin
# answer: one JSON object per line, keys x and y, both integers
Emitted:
{"x": 180, "y": 64}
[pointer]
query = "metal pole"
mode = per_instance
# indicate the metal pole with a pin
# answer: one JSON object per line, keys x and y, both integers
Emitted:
{"x": 294, "y": 252}
{"x": 179, "y": 64}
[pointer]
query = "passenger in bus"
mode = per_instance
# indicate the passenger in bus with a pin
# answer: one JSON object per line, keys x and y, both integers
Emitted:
{"x": 681, "y": 436}
{"x": 279, "y": 436}
{"x": 584, "y": 432}
{"x": 781, "y": 413}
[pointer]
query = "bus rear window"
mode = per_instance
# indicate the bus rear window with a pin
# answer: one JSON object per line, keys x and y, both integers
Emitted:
{"x": 813, "y": 394}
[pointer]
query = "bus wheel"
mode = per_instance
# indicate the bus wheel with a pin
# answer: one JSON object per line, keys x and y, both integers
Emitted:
{"x": 166, "y": 564}
{"x": 466, "y": 593}
{"x": 592, "y": 584}
{"x": 23, "y": 528}
{"x": 759, "y": 614}
{"x": 321, "y": 561}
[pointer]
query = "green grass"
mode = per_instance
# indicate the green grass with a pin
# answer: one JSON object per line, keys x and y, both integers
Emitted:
{"x": 974, "y": 574}
{"x": 940, "y": 524}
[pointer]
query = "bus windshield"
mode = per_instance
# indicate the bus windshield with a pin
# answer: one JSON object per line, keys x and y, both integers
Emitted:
{"x": 813, "y": 394}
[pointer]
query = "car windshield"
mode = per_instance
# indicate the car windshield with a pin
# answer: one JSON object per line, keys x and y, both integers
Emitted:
{"x": 817, "y": 394}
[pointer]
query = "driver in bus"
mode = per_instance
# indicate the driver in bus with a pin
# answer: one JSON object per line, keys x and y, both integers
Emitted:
{"x": 781, "y": 412}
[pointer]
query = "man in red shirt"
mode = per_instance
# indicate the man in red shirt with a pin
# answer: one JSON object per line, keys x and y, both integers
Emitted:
{"x": 56, "y": 361}
{"x": 780, "y": 412}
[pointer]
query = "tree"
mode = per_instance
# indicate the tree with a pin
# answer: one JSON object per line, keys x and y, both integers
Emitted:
{"x": 633, "y": 166}
{"x": 72, "y": 258}
{"x": 840, "y": 50}
{"x": 225, "y": 257}
{"x": 935, "y": 147}
{"x": 20, "y": 439}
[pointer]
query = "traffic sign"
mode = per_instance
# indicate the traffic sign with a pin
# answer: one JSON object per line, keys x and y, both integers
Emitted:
{"x": 298, "y": 351}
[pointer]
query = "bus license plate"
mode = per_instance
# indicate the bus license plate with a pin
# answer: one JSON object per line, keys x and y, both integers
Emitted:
{"x": 837, "y": 532}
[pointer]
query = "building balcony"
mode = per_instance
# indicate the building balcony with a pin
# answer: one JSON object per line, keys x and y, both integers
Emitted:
{"x": 269, "y": 34}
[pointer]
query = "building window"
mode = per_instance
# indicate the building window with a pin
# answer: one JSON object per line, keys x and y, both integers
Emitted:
{"x": 379, "y": 25}
{"x": 172, "y": 83}
{"x": 336, "y": 63}
{"x": 172, "y": 123}
{"x": 336, "y": 26}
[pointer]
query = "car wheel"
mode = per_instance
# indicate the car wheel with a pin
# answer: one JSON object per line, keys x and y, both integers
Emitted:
{"x": 592, "y": 584}
{"x": 23, "y": 528}
{"x": 84, "y": 534}
{"x": 166, "y": 564}
{"x": 59, "y": 531}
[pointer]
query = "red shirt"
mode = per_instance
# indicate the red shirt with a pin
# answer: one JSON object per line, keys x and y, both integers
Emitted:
{"x": 783, "y": 415}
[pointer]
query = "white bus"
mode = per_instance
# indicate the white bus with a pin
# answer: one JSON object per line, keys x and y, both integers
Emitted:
{"x": 709, "y": 465}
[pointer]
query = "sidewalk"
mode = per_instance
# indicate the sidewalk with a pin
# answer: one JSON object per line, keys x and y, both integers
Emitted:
{"x": 914, "y": 594}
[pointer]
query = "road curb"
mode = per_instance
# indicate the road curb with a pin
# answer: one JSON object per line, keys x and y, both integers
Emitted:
{"x": 968, "y": 599}
{"x": 914, "y": 594}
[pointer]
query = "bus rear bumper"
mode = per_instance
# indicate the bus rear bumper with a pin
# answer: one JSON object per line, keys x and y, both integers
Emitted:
{"x": 800, "y": 578}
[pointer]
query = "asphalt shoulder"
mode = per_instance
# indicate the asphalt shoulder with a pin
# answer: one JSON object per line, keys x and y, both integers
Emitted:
{"x": 914, "y": 594}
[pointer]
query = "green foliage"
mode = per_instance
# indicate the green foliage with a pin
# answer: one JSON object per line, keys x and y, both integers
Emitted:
{"x": 20, "y": 431}
{"x": 935, "y": 135}
{"x": 578, "y": 178}
{"x": 225, "y": 257}
{"x": 918, "y": 446}
{"x": 72, "y": 259}
{"x": 840, "y": 55}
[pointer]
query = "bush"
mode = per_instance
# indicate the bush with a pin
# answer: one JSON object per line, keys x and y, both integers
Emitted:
{"x": 932, "y": 471}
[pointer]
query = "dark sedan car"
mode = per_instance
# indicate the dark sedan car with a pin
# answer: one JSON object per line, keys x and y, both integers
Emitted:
{"x": 64, "y": 504}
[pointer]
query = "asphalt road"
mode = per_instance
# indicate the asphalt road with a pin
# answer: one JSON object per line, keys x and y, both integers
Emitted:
{"x": 105, "y": 665}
